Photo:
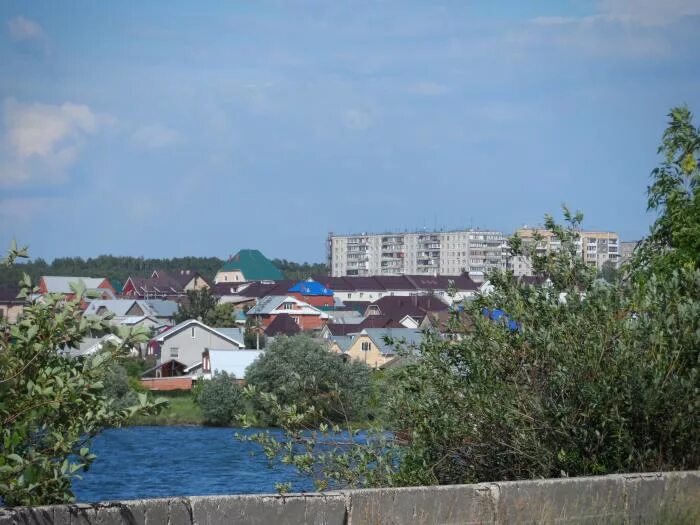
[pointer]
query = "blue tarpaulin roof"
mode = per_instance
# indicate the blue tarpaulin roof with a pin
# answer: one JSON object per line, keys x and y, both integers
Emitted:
{"x": 311, "y": 288}
{"x": 497, "y": 314}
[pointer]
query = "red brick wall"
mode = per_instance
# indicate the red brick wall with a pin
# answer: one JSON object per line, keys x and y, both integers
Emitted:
{"x": 167, "y": 383}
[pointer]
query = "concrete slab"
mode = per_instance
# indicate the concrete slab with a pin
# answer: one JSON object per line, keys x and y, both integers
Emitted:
{"x": 570, "y": 500}
{"x": 457, "y": 504}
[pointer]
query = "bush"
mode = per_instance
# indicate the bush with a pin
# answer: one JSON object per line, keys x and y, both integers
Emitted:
{"x": 51, "y": 406}
{"x": 300, "y": 370}
{"x": 220, "y": 398}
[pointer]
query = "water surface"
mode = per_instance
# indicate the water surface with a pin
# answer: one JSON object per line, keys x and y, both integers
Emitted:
{"x": 148, "y": 462}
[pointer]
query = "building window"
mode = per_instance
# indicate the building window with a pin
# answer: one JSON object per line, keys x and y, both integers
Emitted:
{"x": 192, "y": 332}
{"x": 366, "y": 346}
{"x": 287, "y": 306}
{"x": 174, "y": 352}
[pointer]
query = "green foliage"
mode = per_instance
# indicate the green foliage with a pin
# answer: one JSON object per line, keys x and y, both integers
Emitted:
{"x": 299, "y": 272}
{"x": 109, "y": 266}
{"x": 674, "y": 194}
{"x": 300, "y": 371}
{"x": 202, "y": 305}
{"x": 599, "y": 377}
{"x": 317, "y": 446}
{"x": 120, "y": 268}
{"x": 182, "y": 409}
{"x": 51, "y": 406}
{"x": 253, "y": 336}
{"x": 220, "y": 399}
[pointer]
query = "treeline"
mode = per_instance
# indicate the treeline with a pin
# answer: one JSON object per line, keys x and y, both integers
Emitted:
{"x": 119, "y": 268}
{"x": 296, "y": 271}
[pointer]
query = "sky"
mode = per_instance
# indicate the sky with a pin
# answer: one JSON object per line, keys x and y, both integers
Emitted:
{"x": 163, "y": 129}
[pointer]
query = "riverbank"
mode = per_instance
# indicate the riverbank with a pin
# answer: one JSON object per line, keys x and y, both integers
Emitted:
{"x": 181, "y": 410}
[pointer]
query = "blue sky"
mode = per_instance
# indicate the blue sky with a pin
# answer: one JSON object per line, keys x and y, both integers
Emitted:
{"x": 199, "y": 128}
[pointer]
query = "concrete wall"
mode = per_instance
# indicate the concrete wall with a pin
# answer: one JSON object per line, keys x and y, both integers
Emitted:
{"x": 672, "y": 497}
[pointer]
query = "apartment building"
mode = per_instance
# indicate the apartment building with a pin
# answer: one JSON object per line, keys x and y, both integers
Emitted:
{"x": 627, "y": 250}
{"x": 596, "y": 248}
{"x": 416, "y": 253}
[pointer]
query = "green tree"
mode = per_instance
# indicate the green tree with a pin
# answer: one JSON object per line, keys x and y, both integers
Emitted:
{"x": 579, "y": 377}
{"x": 253, "y": 336}
{"x": 221, "y": 316}
{"x": 300, "y": 370}
{"x": 199, "y": 304}
{"x": 674, "y": 195}
{"x": 52, "y": 406}
{"x": 221, "y": 399}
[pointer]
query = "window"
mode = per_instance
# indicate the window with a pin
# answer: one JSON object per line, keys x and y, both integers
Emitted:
{"x": 174, "y": 352}
{"x": 287, "y": 306}
{"x": 366, "y": 346}
{"x": 192, "y": 332}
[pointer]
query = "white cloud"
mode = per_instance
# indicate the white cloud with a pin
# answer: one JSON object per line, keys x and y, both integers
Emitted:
{"x": 357, "y": 119}
{"x": 42, "y": 140}
{"x": 650, "y": 12}
{"x": 155, "y": 136}
{"x": 22, "y": 29}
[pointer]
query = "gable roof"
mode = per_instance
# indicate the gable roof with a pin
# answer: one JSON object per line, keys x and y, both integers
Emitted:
{"x": 267, "y": 305}
{"x": 233, "y": 333}
{"x": 91, "y": 345}
{"x": 343, "y": 342}
{"x": 120, "y": 307}
{"x": 61, "y": 284}
{"x": 407, "y": 338}
{"x": 254, "y": 289}
{"x": 416, "y": 306}
{"x": 178, "y": 328}
{"x": 397, "y": 282}
{"x": 282, "y": 324}
{"x": 253, "y": 265}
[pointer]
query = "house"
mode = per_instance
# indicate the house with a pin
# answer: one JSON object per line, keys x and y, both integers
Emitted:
{"x": 248, "y": 265}
{"x": 186, "y": 342}
{"x": 282, "y": 324}
{"x": 162, "y": 310}
{"x": 245, "y": 295}
{"x": 11, "y": 307}
{"x": 350, "y": 289}
{"x": 313, "y": 293}
{"x": 408, "y": 311}
{"x": 369, "y": 345}
{"x": 164, "y": 284}
{"x": 306, "y": 316}
{"x": 340, "y": 344}
{"x": 233, "y": 362}
{"x": 92, "y": 345}
{"x": 51, "y": 284}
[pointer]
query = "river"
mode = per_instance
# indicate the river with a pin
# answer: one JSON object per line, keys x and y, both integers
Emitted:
{"x": 149, "y": 462}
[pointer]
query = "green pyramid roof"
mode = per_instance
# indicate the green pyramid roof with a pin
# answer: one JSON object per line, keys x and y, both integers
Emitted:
{"x": 253, "y": 265}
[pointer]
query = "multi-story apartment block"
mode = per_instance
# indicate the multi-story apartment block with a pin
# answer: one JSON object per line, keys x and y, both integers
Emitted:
{"x": 415, "y": 253}
{"x": 626, "y": 250}
{"x": 596, "y": 248}
{"x": 599, "y": 248}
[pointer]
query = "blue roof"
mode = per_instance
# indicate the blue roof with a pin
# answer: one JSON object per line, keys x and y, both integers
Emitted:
{"x": 497, "y": 314}
{"x": 311, "y": 287}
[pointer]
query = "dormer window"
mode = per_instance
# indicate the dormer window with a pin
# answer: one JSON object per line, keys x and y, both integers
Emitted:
{"x": 287, "y": 306}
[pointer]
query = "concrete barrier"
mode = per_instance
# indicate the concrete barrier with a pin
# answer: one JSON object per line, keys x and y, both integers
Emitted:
{"x": 670, "y": 497}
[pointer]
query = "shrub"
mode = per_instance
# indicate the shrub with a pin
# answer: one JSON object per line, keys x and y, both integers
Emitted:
{"x": 300, "y": 370}
{"x": 220, "y": 399}
{"x": 51, "y": 406}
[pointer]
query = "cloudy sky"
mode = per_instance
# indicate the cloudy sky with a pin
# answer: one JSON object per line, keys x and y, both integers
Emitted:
{"x": 198, "y": 128}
